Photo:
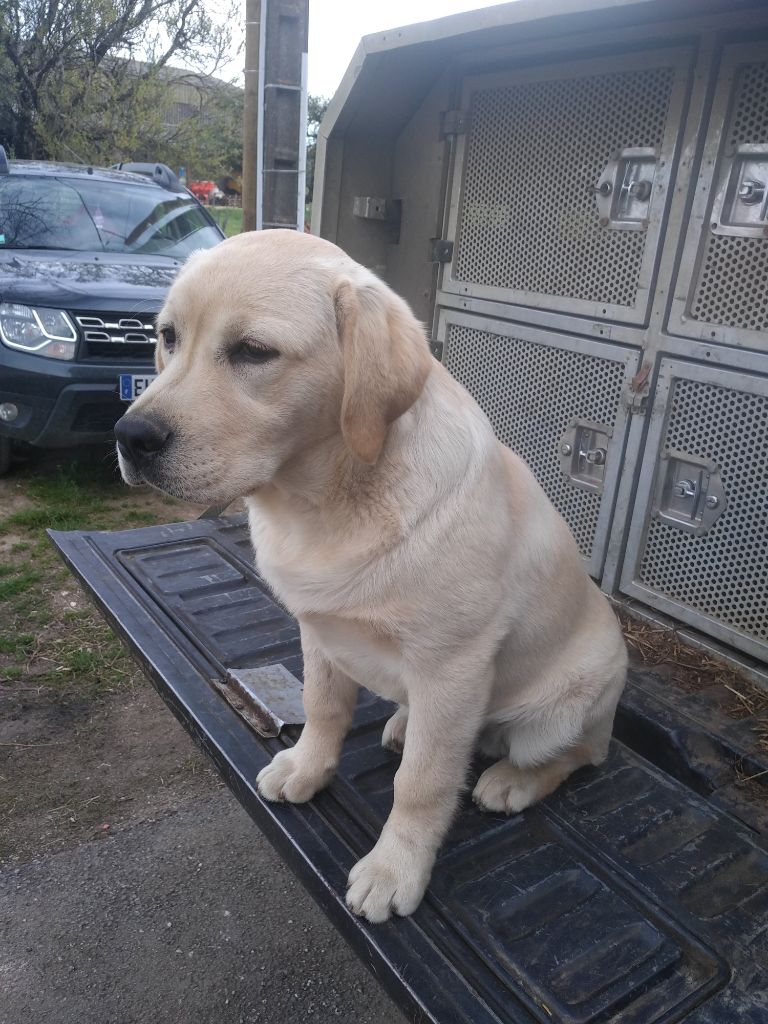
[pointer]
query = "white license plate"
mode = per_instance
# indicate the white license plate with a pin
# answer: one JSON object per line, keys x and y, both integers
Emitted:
{"x": 134, "y": 384}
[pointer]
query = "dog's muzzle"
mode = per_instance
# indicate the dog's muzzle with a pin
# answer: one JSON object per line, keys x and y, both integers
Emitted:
{"x": 139, "y": 439}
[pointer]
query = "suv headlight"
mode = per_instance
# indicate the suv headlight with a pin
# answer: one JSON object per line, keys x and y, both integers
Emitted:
{"x": 46, "y": 332}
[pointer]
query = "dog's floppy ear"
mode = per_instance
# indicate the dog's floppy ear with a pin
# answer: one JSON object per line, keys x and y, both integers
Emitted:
{"x": 386, "y": 363}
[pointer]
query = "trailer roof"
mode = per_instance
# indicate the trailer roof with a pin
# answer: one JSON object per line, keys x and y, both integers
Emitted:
{"x": 390, "y": 71}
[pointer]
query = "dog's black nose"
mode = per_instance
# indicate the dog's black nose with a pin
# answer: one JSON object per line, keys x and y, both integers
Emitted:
{"x": 138, "y": 437}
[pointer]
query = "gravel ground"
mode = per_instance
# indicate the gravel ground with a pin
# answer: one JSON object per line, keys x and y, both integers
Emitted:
{"x": 189, "y": 919}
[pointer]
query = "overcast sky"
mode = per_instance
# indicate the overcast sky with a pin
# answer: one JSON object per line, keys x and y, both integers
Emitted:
{"x": 336, "y": 27}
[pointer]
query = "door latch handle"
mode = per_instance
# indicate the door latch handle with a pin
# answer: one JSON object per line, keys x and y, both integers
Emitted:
{"x": 751, "y": 192}
{"x": 684, "y": 489}
{"x": 594, "y": 456}
{"x": 583, "y": 454}
{"x": 689, "y": 492}
{"x": 624, "y": 189}
{"x": 742, "y": 195}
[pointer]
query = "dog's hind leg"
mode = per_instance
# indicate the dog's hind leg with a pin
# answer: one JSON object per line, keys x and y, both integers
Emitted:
{"x": 510, "y": 786}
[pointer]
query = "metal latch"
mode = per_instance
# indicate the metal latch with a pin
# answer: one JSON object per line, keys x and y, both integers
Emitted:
{"x": 624, "y": 189}
{"x": 742, "y": 197}
{"x": 440, "y": 250}
{"x": 689, "y": 492}
{"x": 583, "y": 454}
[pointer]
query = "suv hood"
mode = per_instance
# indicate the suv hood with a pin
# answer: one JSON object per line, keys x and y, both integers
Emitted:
{"x": 78, "y": 280}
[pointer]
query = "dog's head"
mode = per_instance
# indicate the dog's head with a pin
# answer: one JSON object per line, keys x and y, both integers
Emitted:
{"x": 268, "y": 345}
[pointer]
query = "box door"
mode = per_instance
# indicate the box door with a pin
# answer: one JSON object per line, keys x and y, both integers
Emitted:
{"x": 698, "y": 546}
{"x": 722, "y": 291}
{"x": 561, "y": 182}
{"x": 559, "y": 402}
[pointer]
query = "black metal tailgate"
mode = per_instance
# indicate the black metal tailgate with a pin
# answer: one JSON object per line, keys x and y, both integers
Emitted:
{"x": 636, "y": 893}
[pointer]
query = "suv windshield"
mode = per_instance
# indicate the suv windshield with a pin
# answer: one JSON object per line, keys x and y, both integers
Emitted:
{"x": 100, "y": 216}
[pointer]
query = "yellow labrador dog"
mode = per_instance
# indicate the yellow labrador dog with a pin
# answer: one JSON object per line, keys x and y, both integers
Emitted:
{"x": 420, "y": 556}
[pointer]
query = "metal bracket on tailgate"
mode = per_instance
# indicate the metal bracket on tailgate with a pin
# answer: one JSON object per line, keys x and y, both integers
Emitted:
{"x": 267, "y": 698}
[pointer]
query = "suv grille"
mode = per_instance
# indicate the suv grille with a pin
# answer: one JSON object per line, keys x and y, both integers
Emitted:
{"x": 112, "y": 336}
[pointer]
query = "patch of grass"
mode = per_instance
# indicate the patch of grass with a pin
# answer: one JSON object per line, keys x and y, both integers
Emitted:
{"x": 229, "y": 219}
{"x": 81, "y": 660}
{"x": 42, "y": 640}
{"x": 17, "y": 646}
{"x": 18, "y": 584}
{"x": 140, "y": 516}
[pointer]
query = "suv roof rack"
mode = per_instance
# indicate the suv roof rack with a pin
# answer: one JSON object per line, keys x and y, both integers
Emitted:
{"x": 159, "y": 173}
{"x": 4, "y": 165}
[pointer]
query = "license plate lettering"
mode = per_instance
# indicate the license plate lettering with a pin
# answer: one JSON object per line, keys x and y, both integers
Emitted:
{"x": 134, "y": 384}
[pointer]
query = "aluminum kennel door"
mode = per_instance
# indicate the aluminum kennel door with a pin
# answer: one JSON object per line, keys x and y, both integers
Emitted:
{"x": 698, "y": 545}
{"x": 561, "y": 180}
{"x": 559, "y": 402}
{"x": 721, "y": 295}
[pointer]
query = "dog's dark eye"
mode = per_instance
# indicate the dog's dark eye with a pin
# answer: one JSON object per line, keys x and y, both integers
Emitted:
{"x": 167, "y": 336}
{"x": 253, "y": 352}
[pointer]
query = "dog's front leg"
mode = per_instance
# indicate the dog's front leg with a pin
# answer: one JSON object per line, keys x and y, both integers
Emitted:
{"x": 444, "y": 717}
{"x": 297, "y": 774}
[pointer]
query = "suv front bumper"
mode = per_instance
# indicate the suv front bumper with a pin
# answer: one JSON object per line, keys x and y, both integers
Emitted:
{"x": 61, "y": 403}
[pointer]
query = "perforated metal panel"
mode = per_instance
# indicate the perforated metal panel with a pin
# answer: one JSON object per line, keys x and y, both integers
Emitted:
{"x": 724, "y": 271}
{"x": 532, "y": 390}
{"x": 528, "y": 222}
{"x": 719, "y": 576}
{"x": 733, "y": 280}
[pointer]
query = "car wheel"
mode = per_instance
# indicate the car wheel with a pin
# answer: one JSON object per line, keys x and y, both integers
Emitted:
{"x": 5, "y": 455}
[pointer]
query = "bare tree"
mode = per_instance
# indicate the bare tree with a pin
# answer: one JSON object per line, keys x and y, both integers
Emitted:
{"x": 92, "y": 76}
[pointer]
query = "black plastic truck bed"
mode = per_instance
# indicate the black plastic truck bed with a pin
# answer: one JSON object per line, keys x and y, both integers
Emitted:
{"x": 636, "y": 893}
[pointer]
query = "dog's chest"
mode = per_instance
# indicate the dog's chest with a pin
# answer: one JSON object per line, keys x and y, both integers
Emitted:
{"x": 368, "y": 655}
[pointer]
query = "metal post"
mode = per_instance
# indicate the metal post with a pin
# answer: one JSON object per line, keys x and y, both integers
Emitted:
{"x": 260, "y": 124}
{"x": 302, "y": 187}
{"x": 251, "y": 114}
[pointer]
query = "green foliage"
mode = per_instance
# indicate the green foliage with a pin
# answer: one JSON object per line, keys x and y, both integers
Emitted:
{"x": 230, "y": 219}
{"x": 91, "y": 80}
{"x": 316, "y": 108}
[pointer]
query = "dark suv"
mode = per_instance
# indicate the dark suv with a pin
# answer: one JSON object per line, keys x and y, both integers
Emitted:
{"x": 86, "y": 257}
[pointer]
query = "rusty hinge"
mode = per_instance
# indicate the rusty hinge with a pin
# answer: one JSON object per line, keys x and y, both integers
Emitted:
{"x": 454, "y": 122}
{"x": 637, "y": 392}
{"x": 440, "y": 250}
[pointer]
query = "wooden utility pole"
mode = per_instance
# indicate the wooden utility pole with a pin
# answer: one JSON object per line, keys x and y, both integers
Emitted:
{"x": 251, "y": 113}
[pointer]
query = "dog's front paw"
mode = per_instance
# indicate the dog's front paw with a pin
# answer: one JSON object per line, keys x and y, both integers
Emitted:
{"x": 390, "y": 879}
{"x": 292, "y": 778}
